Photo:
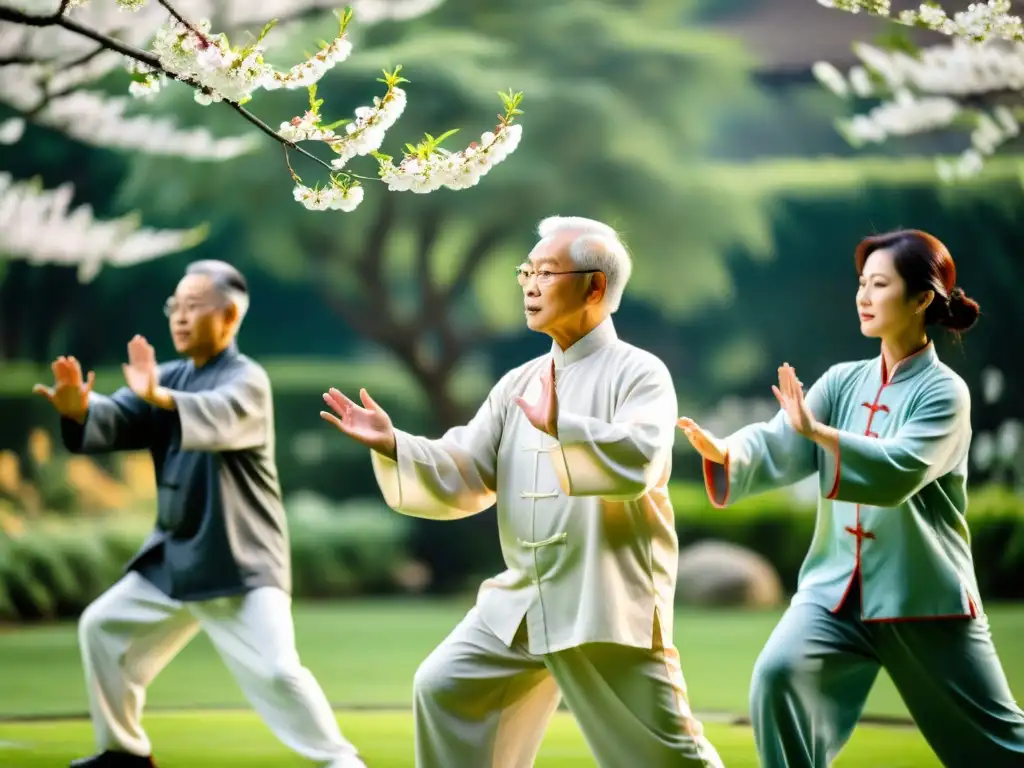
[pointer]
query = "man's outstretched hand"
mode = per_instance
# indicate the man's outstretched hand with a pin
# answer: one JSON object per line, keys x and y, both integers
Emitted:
{"x": 69, "y": 394}
{"x": 369, "y": 425}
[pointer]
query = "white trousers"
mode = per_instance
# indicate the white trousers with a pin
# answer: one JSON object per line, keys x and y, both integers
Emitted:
{"x": 480, "y": 704}
{"x": 133, "y": 630}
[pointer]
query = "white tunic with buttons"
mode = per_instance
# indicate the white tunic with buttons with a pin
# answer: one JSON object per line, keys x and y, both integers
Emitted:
{"x": 586, "y": 525}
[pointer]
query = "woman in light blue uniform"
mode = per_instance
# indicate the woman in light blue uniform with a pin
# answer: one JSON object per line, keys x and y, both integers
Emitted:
{"x": 889, "y": 579}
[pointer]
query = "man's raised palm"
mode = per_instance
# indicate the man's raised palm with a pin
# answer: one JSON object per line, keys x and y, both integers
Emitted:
{"x": 140, "y": 373}
{"x": 369, "y": 425}
{"x": 543, "y": 413}
{"x": 69, "y": 394}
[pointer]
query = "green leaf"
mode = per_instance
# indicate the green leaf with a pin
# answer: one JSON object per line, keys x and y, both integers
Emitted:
{"x": 343, "y": 20}
{"x": 266, "y": 29}
{"x": 446, "y": 134}
{"x": 896, "y": 37}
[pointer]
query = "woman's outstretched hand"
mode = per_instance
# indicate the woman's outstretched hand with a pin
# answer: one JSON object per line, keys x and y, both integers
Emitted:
{"x": 706, "y": 444}
{"x": 790, "y": 395}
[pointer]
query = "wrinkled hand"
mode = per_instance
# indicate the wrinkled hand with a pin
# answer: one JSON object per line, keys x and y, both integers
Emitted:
{"x": 369, "y": 425}
{"x": 69, "y": 395}
{"x": 790, "y": 395}
{"x": 706, "y": 444}
{"x": 140, "y": 373}
{"x": 544, "y": 413}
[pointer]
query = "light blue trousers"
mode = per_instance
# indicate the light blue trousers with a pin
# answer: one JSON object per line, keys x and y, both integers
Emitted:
{"x": 813, "y": 677}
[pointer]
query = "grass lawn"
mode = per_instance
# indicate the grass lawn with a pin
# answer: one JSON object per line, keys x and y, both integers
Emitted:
{"x": 365, "y": 654}
{"x": 236, "y": 739}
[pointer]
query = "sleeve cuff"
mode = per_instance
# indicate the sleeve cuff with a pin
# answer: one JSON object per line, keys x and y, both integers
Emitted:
{"x": 572, "y": 429}
{"x": 388, "y": 472}
{"x": 833, "y": 491}
{"x": 72, "y": 433}
{"x": 571, "y": 432}
{"x": 716, "y": 481}
{"x": 187, "y": 407}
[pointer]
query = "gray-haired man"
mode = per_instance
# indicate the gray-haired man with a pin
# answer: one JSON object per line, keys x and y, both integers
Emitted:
{"x": 218, "y": 559}
{"x": 575, "y": 448}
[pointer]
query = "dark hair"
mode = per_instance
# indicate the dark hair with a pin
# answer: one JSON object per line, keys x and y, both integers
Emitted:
{"x": 924, "y": 264}
{"x": 223, "y": 275}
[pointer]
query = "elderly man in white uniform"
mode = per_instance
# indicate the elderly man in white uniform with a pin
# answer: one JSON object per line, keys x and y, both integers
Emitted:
{"x": 575, "y": 448}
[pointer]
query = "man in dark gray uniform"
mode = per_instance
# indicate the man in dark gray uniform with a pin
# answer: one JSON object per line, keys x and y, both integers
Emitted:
{"x": 218, "y": 559}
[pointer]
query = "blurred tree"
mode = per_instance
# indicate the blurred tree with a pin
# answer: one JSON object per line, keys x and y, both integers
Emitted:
{"x": 615, "y": 127}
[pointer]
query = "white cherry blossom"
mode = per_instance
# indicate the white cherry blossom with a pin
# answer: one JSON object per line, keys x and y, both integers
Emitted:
{"x": 366, "y": 134}
{"x": 335, "y": 197}
{"x": 962, "y": 84}
{"x": 979, "y": 22}
{"x": 454, "y": 170}
{"x": 39, "y": 226}
{"x": 163, "y": 42}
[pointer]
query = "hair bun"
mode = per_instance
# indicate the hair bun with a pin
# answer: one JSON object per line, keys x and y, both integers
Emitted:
{"x": 963, "y": 311}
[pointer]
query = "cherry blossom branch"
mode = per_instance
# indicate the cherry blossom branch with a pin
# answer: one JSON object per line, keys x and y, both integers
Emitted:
{"x": 178, "y": 17}
{"x": 940, "y": 87}
{"x": 151, "y": 61}
{"x": 108, "y": 42}
{"x": 274, "y": 135}
{"x": 28, "y": 19}
{"x": 980, "y": 22}
{"x": 39, "y": 225}
{"x": 217, "y": 71}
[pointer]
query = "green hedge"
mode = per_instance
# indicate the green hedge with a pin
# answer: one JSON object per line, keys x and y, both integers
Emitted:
{"x": 56, "y": 567}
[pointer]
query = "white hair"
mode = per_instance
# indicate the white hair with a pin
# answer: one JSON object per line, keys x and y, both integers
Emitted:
{"x": 240, "y": 300}
{"x": 228, "y": 283}
{"x": 598, "y": 247}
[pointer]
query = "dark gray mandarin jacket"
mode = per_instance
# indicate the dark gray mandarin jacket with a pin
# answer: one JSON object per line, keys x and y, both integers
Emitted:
{"x": 221, "y": 528}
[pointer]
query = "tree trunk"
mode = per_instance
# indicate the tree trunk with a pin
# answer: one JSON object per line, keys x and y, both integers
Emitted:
{"x": 447, "y": 412}
{"x": 430, "y": 347}
{"x": 11, "y": 288}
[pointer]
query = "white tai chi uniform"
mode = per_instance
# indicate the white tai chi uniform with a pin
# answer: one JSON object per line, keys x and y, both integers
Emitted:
{"x": 218, "y": 558}
{"x": 132, "y": 631}
{"x": 585, "y": 607}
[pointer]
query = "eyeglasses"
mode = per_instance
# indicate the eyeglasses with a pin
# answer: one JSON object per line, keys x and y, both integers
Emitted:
{"x": 189, "y": 307}
{"x": 546, "y": 276}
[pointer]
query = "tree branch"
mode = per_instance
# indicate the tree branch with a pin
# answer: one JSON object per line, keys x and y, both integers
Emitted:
{"x": 20, "y": 17}
{"x": 84, "y": 58}
{"x": 150, "y": 60}
{"x": 112, "y": 44}
{"x": 487, "y": 239}
{"x": 274, "y": 134}
{"x": 181, "y": 19}
{"x": 429, "y": 229}
{"x": 373, "y": 316}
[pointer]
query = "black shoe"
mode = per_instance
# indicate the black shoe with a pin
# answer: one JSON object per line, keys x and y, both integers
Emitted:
{"x": 110, "y": 759}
